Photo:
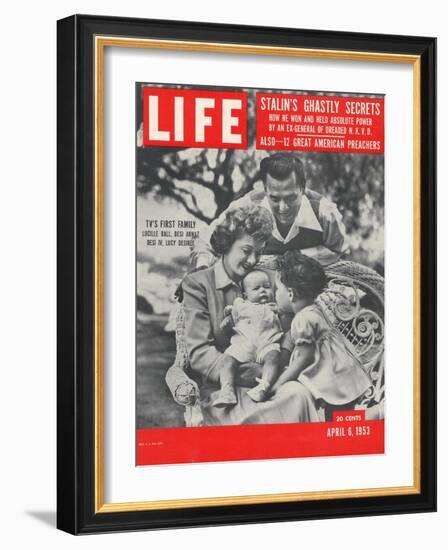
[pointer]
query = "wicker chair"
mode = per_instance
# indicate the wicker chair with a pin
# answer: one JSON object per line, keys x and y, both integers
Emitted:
{"x": 353, "y": 301}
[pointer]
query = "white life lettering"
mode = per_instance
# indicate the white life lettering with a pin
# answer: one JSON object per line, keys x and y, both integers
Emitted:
{"x": 155, "y": 134}
{"x": 178, "y": 118}
{"x": 202, "y": 120}
{"x": 229, "y": 121}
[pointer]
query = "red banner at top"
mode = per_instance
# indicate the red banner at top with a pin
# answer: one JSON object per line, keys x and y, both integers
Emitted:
{"x": 320, "y": 123}
{"x": 194, "y": 118}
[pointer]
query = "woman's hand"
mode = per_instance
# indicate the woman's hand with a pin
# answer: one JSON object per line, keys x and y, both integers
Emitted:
{"x": 227, "y": 323}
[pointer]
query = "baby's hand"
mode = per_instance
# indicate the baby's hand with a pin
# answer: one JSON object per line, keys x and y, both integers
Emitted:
{"x": 273, "y": 306}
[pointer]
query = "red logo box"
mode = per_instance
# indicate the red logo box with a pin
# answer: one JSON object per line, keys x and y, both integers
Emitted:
{"x": 194, "y": 118}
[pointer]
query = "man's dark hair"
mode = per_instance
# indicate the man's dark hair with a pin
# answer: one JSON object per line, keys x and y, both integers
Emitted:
{"x": 281, "y": 165}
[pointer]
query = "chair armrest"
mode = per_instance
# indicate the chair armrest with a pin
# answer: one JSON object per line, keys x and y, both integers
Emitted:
{"x": 184, "y": 390}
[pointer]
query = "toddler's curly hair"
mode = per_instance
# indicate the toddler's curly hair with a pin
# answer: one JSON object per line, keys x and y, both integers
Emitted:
{"x": 305, "y": 276}
{"x": 254, "y": 220}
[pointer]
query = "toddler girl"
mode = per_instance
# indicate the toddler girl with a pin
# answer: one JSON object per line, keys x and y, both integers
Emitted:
{"x": 320, "y": 359}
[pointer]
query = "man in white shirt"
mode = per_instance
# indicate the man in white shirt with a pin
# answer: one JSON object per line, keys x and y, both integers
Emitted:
{"x": 303, "y": 219}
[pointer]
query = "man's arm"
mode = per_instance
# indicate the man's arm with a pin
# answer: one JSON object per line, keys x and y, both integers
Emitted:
{"x": 202, "y": 254}
{"x": 334, "y": 236}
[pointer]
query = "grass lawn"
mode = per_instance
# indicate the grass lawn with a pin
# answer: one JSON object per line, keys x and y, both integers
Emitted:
{"x": 156, "y": 350}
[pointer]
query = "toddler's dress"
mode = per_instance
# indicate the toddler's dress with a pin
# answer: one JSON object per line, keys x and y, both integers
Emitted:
{"x": 335, "y": 375}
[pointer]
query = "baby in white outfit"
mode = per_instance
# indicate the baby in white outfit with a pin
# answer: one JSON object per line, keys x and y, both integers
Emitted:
{"x": 257, "y": 334}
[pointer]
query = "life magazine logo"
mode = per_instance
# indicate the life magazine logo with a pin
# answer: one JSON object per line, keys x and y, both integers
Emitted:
{"x": 194, "y": 118}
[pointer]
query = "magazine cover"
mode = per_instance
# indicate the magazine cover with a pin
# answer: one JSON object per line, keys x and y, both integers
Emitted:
{"x": 259, "y": 274}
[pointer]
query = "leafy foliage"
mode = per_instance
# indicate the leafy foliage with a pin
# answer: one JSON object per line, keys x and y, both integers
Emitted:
{"x": 205, "y": 181}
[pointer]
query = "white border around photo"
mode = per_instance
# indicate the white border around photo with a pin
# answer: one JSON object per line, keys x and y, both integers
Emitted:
{"x": 124, "y": 482}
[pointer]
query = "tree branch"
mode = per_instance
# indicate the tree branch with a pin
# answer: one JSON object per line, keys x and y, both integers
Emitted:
{"x": 188, "y": 175}
{"x": 169, "y": 190}
{"x": 196, "y": 213}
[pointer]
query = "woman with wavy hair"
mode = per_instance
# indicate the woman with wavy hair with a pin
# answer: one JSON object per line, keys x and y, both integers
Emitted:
{"x": 237, "y": 240}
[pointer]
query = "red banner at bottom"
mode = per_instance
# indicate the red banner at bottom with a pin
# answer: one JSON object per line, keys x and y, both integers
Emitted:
{"x": 258, "y": 442}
